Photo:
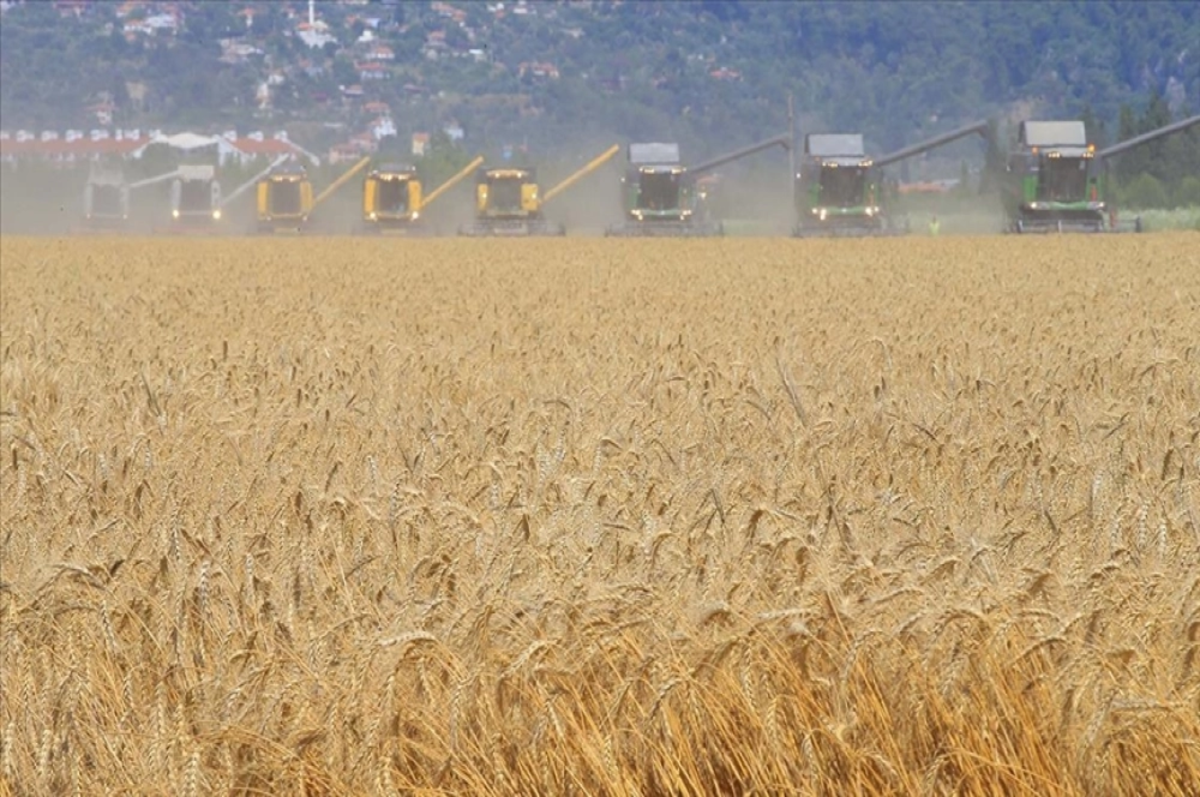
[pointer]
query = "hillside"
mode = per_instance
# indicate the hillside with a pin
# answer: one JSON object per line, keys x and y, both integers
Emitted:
{"x": 548, "y": 76}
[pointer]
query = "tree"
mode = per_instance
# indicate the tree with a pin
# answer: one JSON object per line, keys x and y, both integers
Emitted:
{"x": 1145, "y": 193}
{"x": 1187, "y": 195}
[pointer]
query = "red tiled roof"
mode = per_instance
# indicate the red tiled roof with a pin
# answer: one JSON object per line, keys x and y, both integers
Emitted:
{"x": 268, "y": 146}
{"x": 79, "y": 147}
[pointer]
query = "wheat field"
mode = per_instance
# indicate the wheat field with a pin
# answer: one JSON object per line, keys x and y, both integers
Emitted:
{"x": 593, "y": 517}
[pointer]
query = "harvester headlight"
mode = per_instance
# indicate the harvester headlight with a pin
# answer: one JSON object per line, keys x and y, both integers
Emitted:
{"x": 870, "y": 211}
{"x": 822, "y": 214}
{"x": 416, "y": 215}
{"x": 373, "y": 216}
{"x": 174, "y": 214}
{"x": 685, "y": 213}
{"x": 217, "y": 215}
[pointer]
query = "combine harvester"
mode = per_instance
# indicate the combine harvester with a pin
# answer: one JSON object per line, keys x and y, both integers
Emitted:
{"x": 661, "y": 196}
{"x": 197, "y": 205}
{"x": 508, "y": 200}
{"x": 1057, "y": 182}
{"x": 106, "y": 200}
{"x": 392, "y": 201}
{"x": 107, "y": 197}
{"x": 285, "y": 201}
{"x": 840, "y": 191}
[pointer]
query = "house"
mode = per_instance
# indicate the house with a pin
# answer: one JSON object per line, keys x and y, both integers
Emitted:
{"x": 376, "y": 107}
{"x": 383, "y": 127}
{"x": 538, "y": 69}
{"x": 102, "y": 112}
{"x": 70, "y": 148}
{"x": 129, "y": 7}
{"x": 725, "y": 73}
{"x": 315, "y": 34}
{"x": 420, "y": 143}
{"x": 65, "y": 8}
{"x": 237, "y": 51}
{"x": 256, "y": 145}
{"x": 167, "y": 22}
{"x": 343, "y": 153}
{"x": 381, "y": 52}
{"x": 352, "y": 91}
{"x": 372, "y": 70}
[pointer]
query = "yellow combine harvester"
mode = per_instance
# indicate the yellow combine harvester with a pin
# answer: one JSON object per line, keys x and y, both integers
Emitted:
{"x": 285, "y": 196}
{"x": 508, "y": 200}
{"x": 392, "y": 199}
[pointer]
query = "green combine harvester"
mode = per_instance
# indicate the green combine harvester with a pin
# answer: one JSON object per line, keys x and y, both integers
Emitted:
{"x": 1058, "y": 182}
{"x": 661, "y": 196}
{"x": 841, "y": 191}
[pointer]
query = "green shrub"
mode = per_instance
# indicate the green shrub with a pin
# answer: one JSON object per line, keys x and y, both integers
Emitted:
{"x": 1187, "y": 193}
{"x": 1145, "y": 192}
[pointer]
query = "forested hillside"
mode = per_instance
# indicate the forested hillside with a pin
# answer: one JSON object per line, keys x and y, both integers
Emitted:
{"x": 553, "y": 76}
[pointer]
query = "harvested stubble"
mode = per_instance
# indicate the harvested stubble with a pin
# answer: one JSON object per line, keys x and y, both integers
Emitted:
{"x": 601, "y": 517}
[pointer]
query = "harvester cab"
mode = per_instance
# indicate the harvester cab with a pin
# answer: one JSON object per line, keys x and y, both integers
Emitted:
{"x": 835, "y": 189}
{"x": 195, "y": 196}
{"x": 509, "y": 201}
{"x": 391, "y": 197}
{"x": 284, "y": 199}
{"x": 106, "y": 198}
{"x": 661, "y": 195}
{"x": 841, "y": 191}
{"x": 393, "y": 200}
{"x": 1052, "y": 185}
{"x": 197, "y": 203}
{"x": 1057, "y": 182}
